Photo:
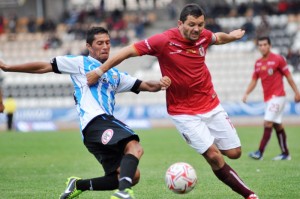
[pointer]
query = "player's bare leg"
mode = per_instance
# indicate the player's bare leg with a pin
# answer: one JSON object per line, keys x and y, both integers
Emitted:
{"x": 232, "y": 153}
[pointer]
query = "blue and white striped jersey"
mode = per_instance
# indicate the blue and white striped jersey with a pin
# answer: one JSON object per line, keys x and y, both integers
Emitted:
{"x": 97, "y": 99}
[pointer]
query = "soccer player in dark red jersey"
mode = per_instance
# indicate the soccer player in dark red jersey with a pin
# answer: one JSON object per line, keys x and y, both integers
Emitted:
{"x": 192, "y": 102}
{"x": 271, "y": 68}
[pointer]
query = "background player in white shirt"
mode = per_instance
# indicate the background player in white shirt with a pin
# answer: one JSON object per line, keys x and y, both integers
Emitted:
{"x": 112, "y": 142}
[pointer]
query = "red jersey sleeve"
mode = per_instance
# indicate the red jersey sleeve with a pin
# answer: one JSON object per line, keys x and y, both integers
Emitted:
{"x": 255, "y": 74}
{"x": 283, "y": 67}
{"x": 151, "y": 46}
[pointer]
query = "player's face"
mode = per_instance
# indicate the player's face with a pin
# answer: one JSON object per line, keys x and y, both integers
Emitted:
{"x": 100, "y": 47}
{"x": 264, "y": 47}
{"x": 192, "y": 27}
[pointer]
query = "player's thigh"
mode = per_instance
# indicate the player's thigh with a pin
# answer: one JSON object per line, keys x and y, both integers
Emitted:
{"x": 106, "y": 138}
{"x": 194, "y": 131}
{"x": 222, "y": 129}
{"x": 274, "y": 109}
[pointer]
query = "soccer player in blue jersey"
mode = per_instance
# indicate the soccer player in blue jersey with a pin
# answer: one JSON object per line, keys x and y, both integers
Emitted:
{"x": 112, "y": 142}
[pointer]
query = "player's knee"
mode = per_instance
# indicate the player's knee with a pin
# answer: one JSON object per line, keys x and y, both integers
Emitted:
{"x": 277, "y": 126}
{"x": 214, "y": 157}
{"x": 139, "y": 151}
{"x": 134, "y": 148}
{"x": 233, "y": 153}
{"x": 268, "y": 124}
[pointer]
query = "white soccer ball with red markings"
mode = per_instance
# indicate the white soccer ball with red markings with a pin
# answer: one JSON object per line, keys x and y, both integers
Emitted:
{"x": 181, "y": 178}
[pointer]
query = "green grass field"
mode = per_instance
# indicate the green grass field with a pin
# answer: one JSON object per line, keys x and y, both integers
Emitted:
{"x": 36, "y": 165}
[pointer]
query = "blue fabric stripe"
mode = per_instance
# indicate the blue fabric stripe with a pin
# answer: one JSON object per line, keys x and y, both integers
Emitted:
{"x": 104, "y": 95}
{"x": 124, "y": 127}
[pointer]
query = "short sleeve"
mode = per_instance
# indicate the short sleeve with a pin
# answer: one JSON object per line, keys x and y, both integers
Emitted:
{"x": 152, "y": 45}
{"x": 282, "y": 66}
{"x": 255, "y": 74}
{"x": 67, "y": 64}
{"x": 126, "y": 82}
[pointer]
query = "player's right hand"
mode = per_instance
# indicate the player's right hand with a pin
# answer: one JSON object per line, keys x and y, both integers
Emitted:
{"x": 297, "y": 97}
{"x": 2, "y": 65}
{"x": 93, "y": 76}
{"x": 245, "y": 98}
{"x": 165, "y": 82}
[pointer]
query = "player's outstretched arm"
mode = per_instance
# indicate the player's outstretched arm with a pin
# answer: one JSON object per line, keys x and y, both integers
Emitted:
{"x": 154, "y": 86}
{"x": 223, "y": 38}
{"x": 250, "y": 88}
{"x": 294, "y": 87}
{"x": 124, "y": 53}
{"x": 33, "y": 67}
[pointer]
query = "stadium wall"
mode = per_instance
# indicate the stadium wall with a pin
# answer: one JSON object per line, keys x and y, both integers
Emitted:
{"x": 141, "y": 116}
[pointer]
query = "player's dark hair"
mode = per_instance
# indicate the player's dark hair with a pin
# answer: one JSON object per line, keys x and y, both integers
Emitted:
{"x": 191, "y": 9}
{"x": 90, "y": 35}
{"x": 264, "y": 38}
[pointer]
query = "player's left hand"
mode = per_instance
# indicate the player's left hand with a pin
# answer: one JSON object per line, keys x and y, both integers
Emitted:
{"x": 237, "y": 34}
{"x": 297, "y": 97}
{"x": 93, "y": 76}
{"x": 245, "y": 98}
{"x": 165, "y": 82}
{"x": 2, "y": 65}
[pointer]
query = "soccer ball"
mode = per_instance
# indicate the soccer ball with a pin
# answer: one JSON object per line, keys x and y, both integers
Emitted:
{"x": 181, "y": 177}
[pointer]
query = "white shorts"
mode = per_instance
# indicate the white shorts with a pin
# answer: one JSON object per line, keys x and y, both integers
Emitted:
{"x": 202, "y": 130}
{"x": 274, "y": 109}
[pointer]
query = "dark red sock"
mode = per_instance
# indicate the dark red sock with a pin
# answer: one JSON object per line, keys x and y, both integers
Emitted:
{"x": 281, "y": 136}
{"x": 265, "y": 139}
{"x": 227, "y": 175}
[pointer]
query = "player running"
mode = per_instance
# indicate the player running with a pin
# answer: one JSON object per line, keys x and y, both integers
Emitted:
{"x": 112, "y": 142}
{"x": 192, "y": 102}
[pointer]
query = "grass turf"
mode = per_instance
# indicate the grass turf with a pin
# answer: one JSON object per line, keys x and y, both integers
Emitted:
{"x": 36, "y": 165}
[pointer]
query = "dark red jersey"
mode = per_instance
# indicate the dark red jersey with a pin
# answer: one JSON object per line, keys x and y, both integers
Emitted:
{"x": 271, "y": 71}
{"x": 191, "y": 91}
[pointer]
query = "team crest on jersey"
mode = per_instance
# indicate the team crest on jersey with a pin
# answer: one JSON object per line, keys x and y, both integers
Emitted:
{"x": 201, "y": 51}
{"x": 270, "y": 71}
{"x": 106, "y": 136}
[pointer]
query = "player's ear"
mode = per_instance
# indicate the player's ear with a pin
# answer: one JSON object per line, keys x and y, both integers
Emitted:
{"x": 88, "y": 46}
{"x": 179, "y": 23}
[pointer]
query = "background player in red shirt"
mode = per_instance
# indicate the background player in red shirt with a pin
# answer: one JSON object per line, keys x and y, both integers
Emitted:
{"x": 192, "y": 102}
{"x": 271, "y": 68}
